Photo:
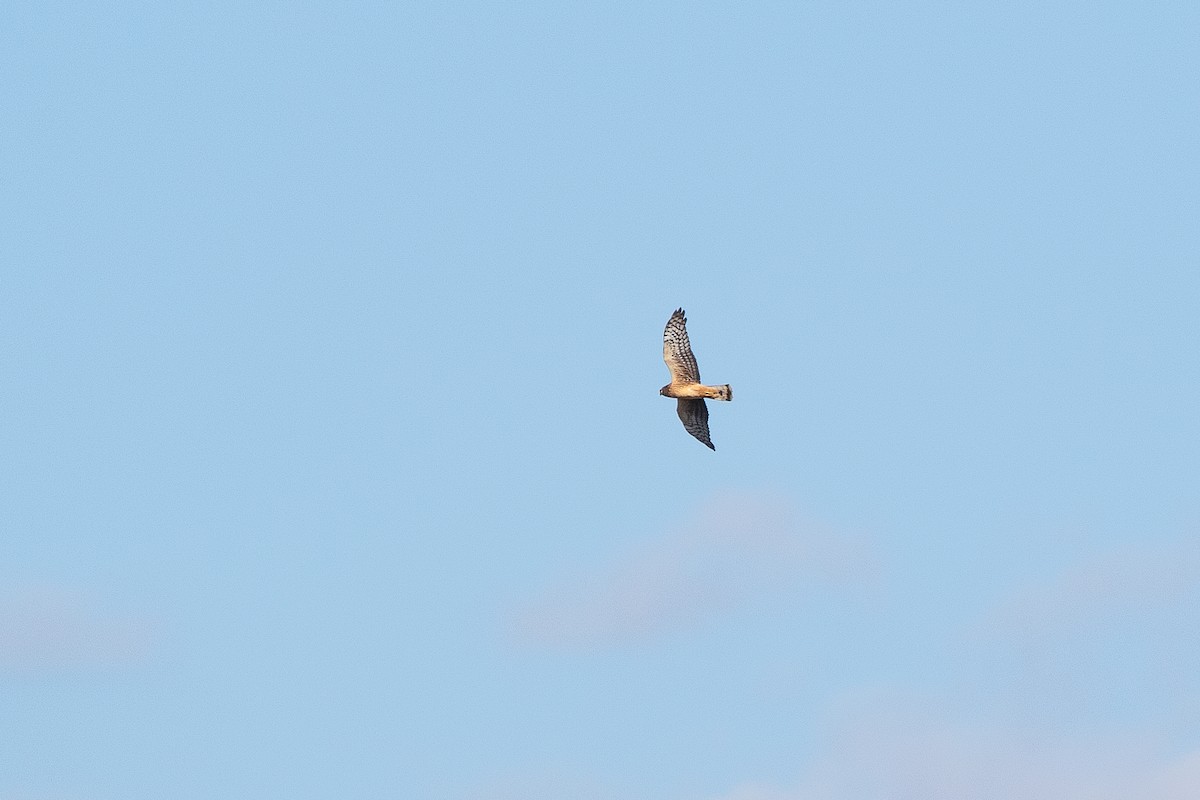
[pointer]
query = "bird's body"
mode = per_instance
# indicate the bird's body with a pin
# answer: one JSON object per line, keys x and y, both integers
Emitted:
{"x": 697, "y": 390}
{"x": 685, "y": 382}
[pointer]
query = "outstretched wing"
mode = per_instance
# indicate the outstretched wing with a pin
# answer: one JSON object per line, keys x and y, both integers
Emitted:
{"x": 694, "y": 415}
{"x": 677, "y": 352}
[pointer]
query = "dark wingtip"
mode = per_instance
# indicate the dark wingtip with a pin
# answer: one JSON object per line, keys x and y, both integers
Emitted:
{"x": 710, "y": 446}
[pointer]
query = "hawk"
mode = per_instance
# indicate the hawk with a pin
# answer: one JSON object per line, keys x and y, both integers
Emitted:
{"x": 685, "y": 380}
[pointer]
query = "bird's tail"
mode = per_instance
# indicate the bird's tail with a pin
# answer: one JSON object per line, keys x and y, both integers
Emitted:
{"x": 724, "y": 392}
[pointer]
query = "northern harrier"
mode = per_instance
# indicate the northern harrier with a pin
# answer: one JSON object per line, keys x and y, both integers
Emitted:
{"x": 685, "y": 380}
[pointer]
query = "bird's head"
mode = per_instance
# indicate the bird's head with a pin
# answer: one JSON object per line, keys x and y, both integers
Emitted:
{"x": 663, "y": 391}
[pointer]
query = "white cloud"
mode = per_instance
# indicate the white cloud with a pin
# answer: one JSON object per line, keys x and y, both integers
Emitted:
{"x": 738, "y": 547}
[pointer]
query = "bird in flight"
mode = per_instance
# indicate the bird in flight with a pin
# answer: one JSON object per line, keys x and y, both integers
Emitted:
{"x": 685, "y": 380}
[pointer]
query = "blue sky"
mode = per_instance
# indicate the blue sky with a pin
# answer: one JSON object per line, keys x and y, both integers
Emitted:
{"x": 334, "y": 464}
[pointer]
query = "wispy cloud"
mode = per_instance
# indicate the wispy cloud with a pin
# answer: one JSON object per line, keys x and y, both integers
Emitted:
{"x": 48, "y": 627}
{"x": 1040, "y": 705}
{"x": 1112, "y": 633}
{"x": 737, "y": 547}
{"x": 919, "y": 755}
{"x": 1105, "y": 590}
